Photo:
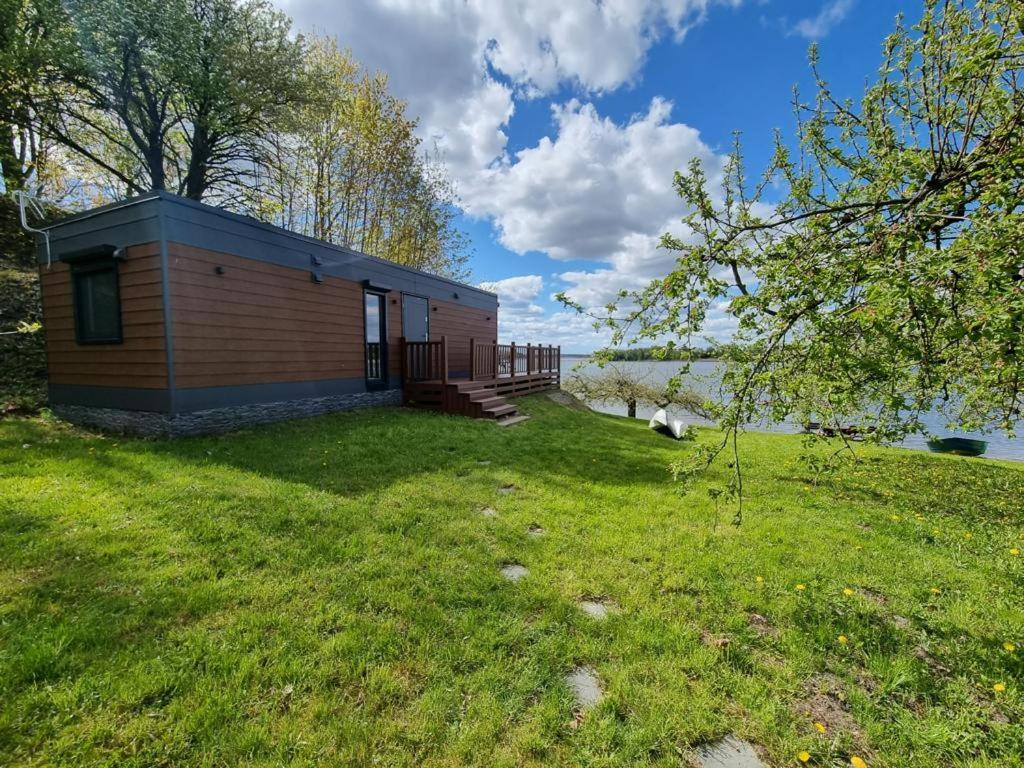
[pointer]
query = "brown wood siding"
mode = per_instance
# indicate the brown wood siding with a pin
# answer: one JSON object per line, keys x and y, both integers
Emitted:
{"x": 261, "y": 323}
{"x": 460, "y": 324}
{"x": 141, "y": 360}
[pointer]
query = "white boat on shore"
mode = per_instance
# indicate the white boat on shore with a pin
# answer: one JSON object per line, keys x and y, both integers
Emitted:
{"x": 660, "y": 422}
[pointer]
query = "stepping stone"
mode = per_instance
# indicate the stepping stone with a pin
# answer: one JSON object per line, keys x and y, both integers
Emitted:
{"x": 598, "y": 609}
{"x": 535, "y": 531}
{"x": 729, "y": 752}
{"x": 506, "y": 489}
{"x": 514, "y": 572}
{"x": 585, "y": 686}
{"x": 512, "y": 420}
{"x": 489, "y": 512}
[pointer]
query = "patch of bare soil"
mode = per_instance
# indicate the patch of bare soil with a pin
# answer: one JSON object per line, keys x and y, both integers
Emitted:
{"x": 714, "y": 641}
{"x": 825, "y": 703}
{"x": 761, "y": 625}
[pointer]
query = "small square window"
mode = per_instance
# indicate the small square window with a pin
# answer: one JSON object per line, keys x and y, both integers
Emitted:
{"x": 97, "y": 302}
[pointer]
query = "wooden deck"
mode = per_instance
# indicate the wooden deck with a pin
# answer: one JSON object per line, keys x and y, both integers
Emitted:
{"x": 499, "y": 371}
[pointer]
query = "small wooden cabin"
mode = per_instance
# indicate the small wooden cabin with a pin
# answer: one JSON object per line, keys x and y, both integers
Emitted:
{"x": 164, "y": 316}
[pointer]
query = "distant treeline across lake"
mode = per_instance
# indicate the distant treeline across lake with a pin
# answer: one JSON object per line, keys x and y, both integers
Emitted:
{"x": 704, "y": 377}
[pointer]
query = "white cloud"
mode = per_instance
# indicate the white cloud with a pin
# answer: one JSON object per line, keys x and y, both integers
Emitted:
{"x": 596, "y": 190}
{"x": 460, "y": 64}
{"x": 830, "y": 15}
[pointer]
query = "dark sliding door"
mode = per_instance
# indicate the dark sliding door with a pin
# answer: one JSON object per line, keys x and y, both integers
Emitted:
{"x": 376, "y": 341}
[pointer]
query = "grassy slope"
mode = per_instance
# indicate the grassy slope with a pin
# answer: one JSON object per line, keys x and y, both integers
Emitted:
{"x": 327, "y": 591}
{"x": 22, "y": 355}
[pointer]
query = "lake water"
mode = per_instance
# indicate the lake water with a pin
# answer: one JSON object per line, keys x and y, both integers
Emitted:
{"x": 703, "y": 378}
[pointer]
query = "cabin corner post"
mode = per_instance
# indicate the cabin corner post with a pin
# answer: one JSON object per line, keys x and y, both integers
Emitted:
{"x": 402, "y": 371}
{"x": 472, "y": 359}
{"x": 444, "y": 360}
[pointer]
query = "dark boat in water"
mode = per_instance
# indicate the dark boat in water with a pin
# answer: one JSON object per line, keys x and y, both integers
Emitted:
{"x": 958, "y": 446}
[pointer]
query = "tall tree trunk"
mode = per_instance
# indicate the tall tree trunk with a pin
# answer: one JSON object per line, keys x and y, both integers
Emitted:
{"x": 631, "y": 408}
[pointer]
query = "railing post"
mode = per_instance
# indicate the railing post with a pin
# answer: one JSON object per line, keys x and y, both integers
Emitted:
{"x": 495, "y": 358}
{"x": 529, "y": 368}
{"x": 512, "y": 360}
{"x": 558, "y": 367}
{"x": 472, "y": 359}
{"x": 444, "y": 359}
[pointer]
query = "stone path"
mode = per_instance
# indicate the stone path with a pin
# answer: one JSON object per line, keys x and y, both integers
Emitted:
{"x": 729, "y": 752}
{"x": 583, "y": 681}
{"x": 598, "y": 609}
{"x": 585, "y": 687}
{"x": 514, "y": 571}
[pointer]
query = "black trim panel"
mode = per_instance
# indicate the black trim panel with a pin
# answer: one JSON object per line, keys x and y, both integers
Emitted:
{"x": 124, "y": 398}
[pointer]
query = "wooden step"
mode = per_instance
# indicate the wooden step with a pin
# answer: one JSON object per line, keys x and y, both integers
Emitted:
{"x": 497, "y": 411}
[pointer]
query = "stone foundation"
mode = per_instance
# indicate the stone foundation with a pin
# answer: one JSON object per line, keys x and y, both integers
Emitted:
{"x": 215, "y": 420}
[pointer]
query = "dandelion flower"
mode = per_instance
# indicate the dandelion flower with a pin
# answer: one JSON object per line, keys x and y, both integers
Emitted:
{"x": 801, "y": 587}
{"x": 936, "y": 591}
{"x": 804, "y": 757}
{"x": 998, "y": 687}
{"x": 1009, "y": 647}
{"x": 847, "y": 591}
{"x": 968, "y": 535}
{"x": 895, "y": 518}
{"x": 759, "y": 579}
{"x": 843, "y": 640}
{"x": 820, "y": 727}
{"x": 1015, "y": 552}
{"x": 857, "y": 762}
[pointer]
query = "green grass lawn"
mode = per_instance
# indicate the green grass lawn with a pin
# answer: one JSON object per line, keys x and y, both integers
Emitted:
{"x": 328, "y": 592}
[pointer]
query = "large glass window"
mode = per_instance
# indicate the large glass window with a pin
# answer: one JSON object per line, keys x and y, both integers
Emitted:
{"x": 376, "y": 354}
{"x": 97, "y": 302}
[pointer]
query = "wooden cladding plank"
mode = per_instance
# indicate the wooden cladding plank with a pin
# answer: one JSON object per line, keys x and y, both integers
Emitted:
{"x": 460, "y": 324}
{"x": 260, "y": 323}
{"x": 120, "y": 379}
{"x": 250, "y": 330}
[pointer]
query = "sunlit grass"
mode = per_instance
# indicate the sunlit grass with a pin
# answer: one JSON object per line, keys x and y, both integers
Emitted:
{"x": 327, "y": 591}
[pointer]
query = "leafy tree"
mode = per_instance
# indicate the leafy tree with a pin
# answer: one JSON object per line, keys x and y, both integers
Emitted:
{"x": 171, "y": 94}
{"x": 629, "y": 388}
{"x": 888, "y": 277}
{"x": 34, "y": 38}
{"x": 348, "y": 167}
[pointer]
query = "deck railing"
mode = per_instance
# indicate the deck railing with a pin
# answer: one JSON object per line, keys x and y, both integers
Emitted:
{"x": 493, "y": 360}
{"x": 428, "y": 360}
{"x": 425, "y": 360}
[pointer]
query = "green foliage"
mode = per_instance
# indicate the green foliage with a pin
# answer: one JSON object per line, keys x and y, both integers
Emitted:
{"x": 889, "y": 276}
{"x": 218, "y": 100}
{"x": 326, "y": 592}
{"x": 348, "y": 167}
{"x": 22, "y": 347}
{"x": 630, "y": 388}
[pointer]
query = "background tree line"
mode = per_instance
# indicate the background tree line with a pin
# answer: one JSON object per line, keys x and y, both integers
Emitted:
{"x": 218, "y": 100}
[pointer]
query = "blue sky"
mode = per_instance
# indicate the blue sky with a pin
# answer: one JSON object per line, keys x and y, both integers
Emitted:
{"x": 562, "y": 123}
